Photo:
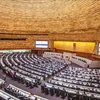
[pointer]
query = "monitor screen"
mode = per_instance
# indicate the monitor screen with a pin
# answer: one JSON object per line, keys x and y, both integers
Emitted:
{"x": 99, "y": 49}
{"x": 41, "y": 44}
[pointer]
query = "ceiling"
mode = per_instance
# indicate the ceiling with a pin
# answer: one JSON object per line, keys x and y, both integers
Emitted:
{"x": 49, "y": 16}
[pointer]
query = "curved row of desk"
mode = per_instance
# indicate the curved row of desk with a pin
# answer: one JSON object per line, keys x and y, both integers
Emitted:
{"x": 29, "y": 69}
{"x": 75, "y": 83}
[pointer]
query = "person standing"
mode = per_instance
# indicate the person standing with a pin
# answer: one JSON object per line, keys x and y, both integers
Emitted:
{"x": 4, "y": 77}
{"x": 4, "y": 86}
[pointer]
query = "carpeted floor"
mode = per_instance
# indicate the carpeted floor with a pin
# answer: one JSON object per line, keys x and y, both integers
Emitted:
{"x": 35, "y": 90}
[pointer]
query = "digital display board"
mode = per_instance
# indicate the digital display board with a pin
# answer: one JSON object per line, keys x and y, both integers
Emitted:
{"x": 41, "y": 44}
{"x": 99, "y": 49}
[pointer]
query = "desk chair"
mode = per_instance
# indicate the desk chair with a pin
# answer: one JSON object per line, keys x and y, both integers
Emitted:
{"x": 69, "y": 95}
{"x": 46, "y": 91}
{"x": 74, "y": 97}
{"x": 91, "y": 98}
{"x": 27, "y": 84}
{"x": 2, "y": 98}
{"x": 63, "y": 94}
{"x": 19, "y": 79}
{"x": 32, "y": 85}
{"x": 21, "y": 97}
{"x": 35, "y": 84}
{"x": 52, "y": 91}
{"x": 22, "y": 80}
{"x": 4, "y": 70}
{"x": 42, "y": 88}
{"x": 25, "y": 98}
{"x": 85, "y": 98}
{"x": 57, "y": 92}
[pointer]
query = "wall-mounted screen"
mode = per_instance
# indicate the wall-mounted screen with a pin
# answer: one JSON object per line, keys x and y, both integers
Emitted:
{"x": 99, "y": 49}
{"x": 41, "y": 44}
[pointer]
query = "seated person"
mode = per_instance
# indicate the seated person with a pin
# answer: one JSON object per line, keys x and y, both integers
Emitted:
{"x": 30, "y": 95}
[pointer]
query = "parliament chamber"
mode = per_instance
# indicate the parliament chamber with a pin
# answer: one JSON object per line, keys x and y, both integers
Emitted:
{"x": 49, "y": 49}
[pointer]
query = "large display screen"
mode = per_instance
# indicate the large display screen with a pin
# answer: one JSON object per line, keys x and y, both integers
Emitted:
{"x": 41, "y": 44}
{"x": 99, "y": 49}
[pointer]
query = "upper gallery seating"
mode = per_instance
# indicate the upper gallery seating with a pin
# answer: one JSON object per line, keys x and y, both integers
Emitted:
{"x": 75, "y": 83}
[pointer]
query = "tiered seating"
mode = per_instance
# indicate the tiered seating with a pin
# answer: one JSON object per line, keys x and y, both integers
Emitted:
{"x": 75, "y": 83}
{"x": 16, "y": 75}
{"x": 29, "y": 68}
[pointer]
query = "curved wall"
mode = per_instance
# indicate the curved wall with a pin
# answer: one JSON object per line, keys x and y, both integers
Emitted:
{"x": 87, "y": 47}
{"x": 52, "y": 20}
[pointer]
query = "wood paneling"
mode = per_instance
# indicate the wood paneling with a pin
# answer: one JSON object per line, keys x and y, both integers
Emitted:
{"x": 59, "y": 20}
